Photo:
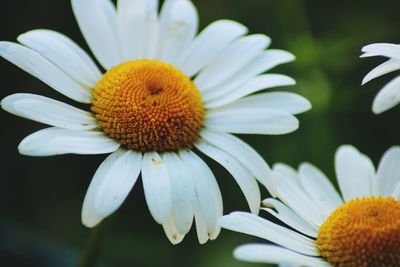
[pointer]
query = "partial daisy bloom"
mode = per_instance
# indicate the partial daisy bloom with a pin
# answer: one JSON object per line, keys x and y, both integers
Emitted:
{"x": 165, "y": 93}
{"x": 359, "y": 227}
{"x": 389, "y": 95}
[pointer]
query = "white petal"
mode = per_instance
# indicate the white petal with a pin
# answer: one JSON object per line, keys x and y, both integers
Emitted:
{"x": 388, "y": 175}
{"x": 276, "y": 57}
{"x": 384, "y": 68}
{"x": 264, "y": 62}
{"x": 38, "y": 66}
{"x": 97, "y": 21}
{"x": 182, "y": 192}
{"x": 388, "y": 96}
{"x": 276, "y": 255}
{"x": 165, "y": 12}
{"x": 152, "y": 29}
{"x": 172, "y": 233}
{"x": 110, "y": 186}
{"x": 208, "y": 206}
{"x": 286, "y": 171}
{"x": 49, "y": 111}
{"x": 368, "y": 55}
{"x": 383, "y": 49}
{"x": 245, "y": 154}
{"x": 284, "y": 101}
{"x": 201, "y": 228}
{"x": 237, "y": 55}
{"x": 243, "y": 176}
{"x": 157, "y": 187}
{"x": 256, "y": 226}
{"x": 289, "y": 217}
{"x": 178, "y": 31}
{"x": 295, "y": 198}
{"x": 210, "y": 42}
{"x": 56, "y": 141}
{"x": 396, "y": 191}
{"x": 63, "y": 53}
{"x": 281, "y": 171}
{"x": 355, "y": 172}
{"x": 216, "y": 97}
{"x": 163, "y": 21}
{"x": 319, "y": 188}
{"x": 251, "y": 121}
{"x": 132, "y": 22}
{"x": 288, "y": 264}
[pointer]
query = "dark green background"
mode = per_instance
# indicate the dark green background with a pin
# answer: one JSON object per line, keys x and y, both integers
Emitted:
{"x": 40, "y": 198}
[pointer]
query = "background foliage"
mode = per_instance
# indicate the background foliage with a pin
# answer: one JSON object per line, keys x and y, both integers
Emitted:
{"x": 40, "y": 198}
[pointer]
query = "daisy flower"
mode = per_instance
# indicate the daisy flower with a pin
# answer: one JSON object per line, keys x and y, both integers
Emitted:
{"x": 389, "y": 95}
{"x": 165, "y": 95}
{"x": 360, "y": 227}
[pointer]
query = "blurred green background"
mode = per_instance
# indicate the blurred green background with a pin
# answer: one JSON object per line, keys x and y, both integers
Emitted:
{"x": 40, "y": 198}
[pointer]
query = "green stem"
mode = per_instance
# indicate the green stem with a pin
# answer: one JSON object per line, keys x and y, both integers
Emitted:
{"x": 92, "y": 248}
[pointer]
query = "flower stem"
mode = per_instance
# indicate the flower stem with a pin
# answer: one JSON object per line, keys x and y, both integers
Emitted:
{"x": 92, "y": 248}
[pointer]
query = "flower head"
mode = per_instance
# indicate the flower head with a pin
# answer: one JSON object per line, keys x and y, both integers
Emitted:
{"x": 360, "y": 227}
{"x": 388, "y": 96}
{"x": 164, "y": 93}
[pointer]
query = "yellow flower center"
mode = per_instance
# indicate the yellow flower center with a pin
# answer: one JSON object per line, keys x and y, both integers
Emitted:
{"x": 148, "y": 105}
{"x": 362, "y": 233}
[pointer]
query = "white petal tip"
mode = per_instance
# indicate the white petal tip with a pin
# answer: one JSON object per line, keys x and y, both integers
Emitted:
{"x": 305, "y": 166}
{"x": 209, "y": 237}
{"x": 377, "y": 112}
{"x": 175, "y": 238}
{"x": 346, "y": 149}
{"x": 236, "y": 24}
{"x": 290, "y": 57}
{"x": 214, "y": 237}
{"x": 215, "y": 234}
{"x": 202, "y": 242}
{"x": 394, "y": 149}
{"x": 307, "y": 105}
{"x": 247, "y": 253}
{"x": 372, "y": 47}
{"x": 237, "y": 253}
{"x": 367, "y": 48}
{"x": 90, "y": 223}
{"x": 364, "y": 81}
{"x": 378, "y": 108}
{"x": 266, "y": 203}
{"x": 286, "y": 56}
{"x": 26, "y": 148}
{"x": 22, "y": 37}
{"x": 291, "y": 81}
{"x": 295, "y": 127}
{"x": 23, "y": 149}
{"x": 6, "y": 104}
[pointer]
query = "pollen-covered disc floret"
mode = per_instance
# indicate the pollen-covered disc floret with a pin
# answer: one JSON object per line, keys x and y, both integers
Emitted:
{"x": 362, "y": 232}
{"x": 149, "y": 105}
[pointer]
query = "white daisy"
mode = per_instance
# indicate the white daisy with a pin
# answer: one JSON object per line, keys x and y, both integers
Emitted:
{"x": 388, "y": 96}
{"x": 165, "y": 92}
{"x": 360, "y": 227}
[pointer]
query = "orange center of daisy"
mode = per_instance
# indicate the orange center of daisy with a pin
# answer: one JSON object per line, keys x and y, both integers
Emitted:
{"x": 362, "y": 232}
{"x": 148, "y": 105}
